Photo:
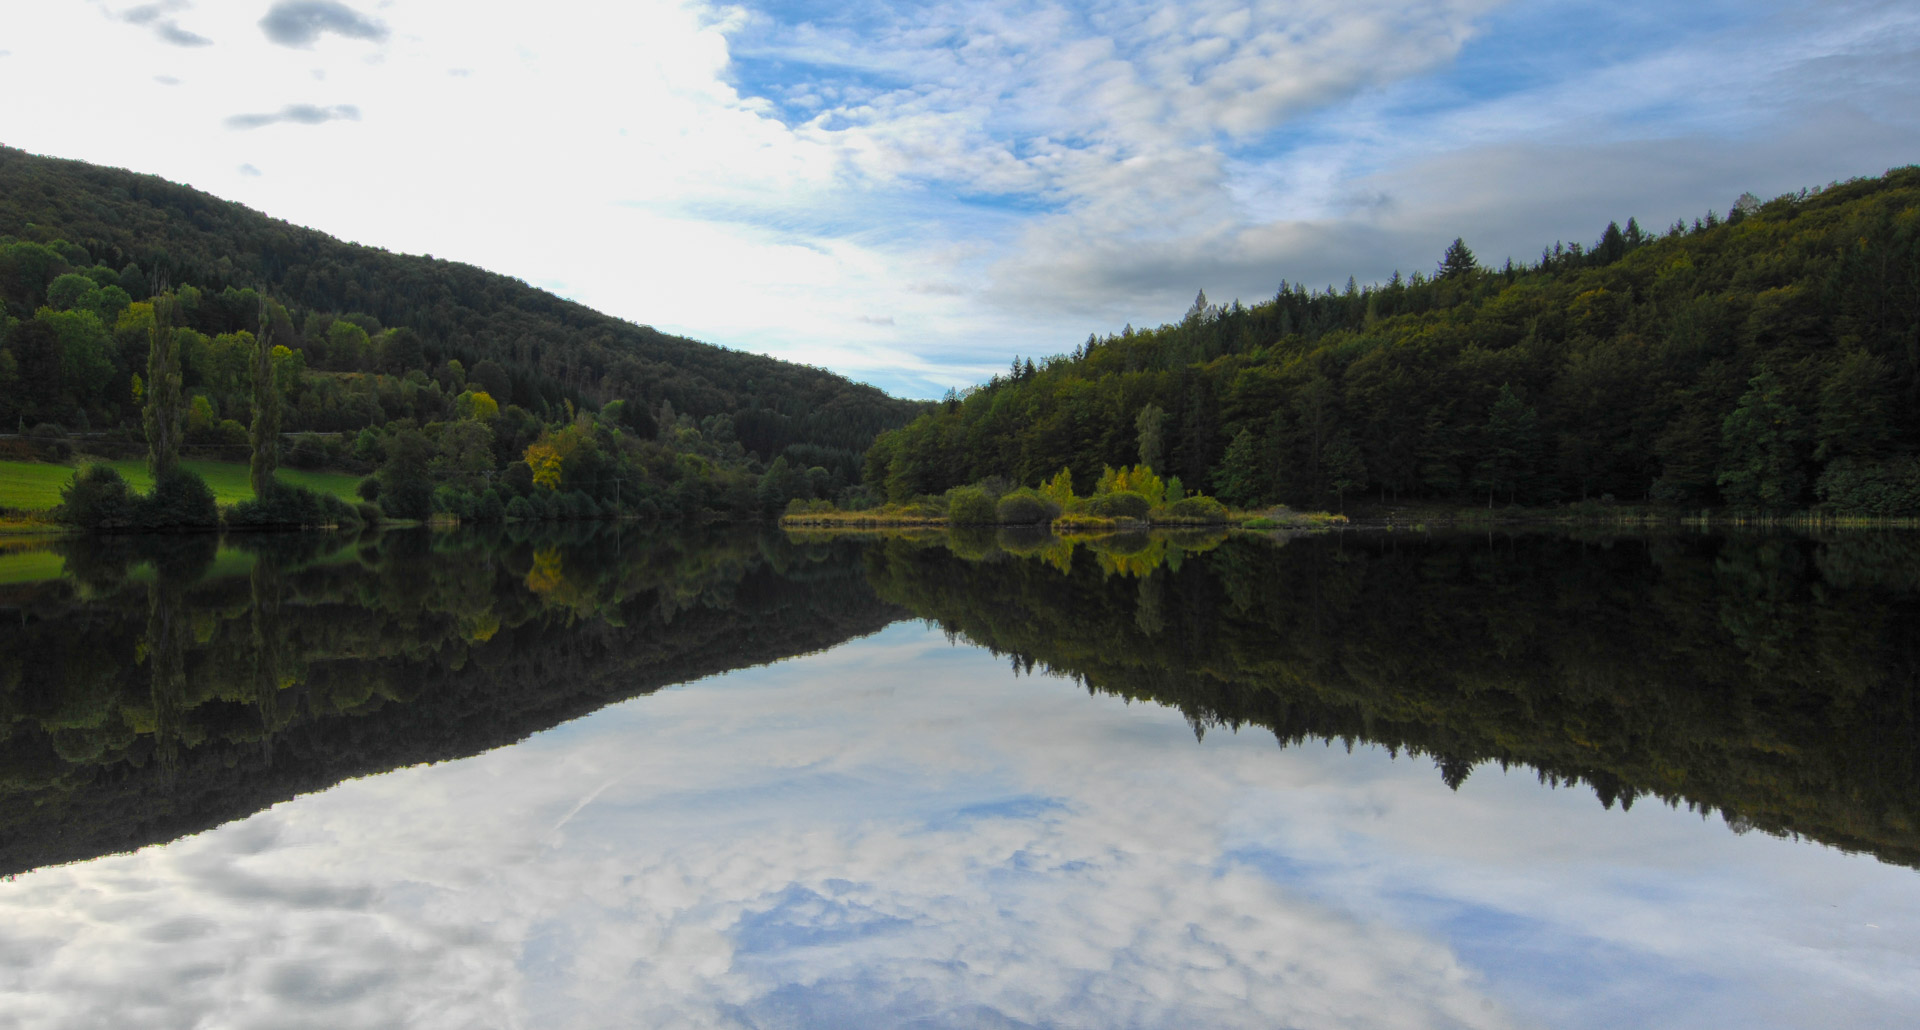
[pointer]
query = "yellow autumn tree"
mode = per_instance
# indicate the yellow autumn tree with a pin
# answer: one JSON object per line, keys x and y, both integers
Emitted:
{"x": 1059, "y": 489}
{"x": 545, "y": 461}
{"x": 547, "y": 456}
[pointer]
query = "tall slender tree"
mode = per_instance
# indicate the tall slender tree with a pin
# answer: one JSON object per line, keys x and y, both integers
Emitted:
{"x": 265, "y": 431}
{"x": 165, "y": 408}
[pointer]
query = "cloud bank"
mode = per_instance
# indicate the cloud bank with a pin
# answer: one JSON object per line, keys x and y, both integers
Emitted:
{"x": 298, "y": 114}
{"x": 301, "y": 23}
{"x": 912, "y": 193}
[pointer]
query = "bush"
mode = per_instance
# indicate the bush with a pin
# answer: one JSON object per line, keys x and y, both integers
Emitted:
{"x": 97, "y": 498}
{"x": 180, "y": 500}
{"x": 1025, "y": 508}
{"x": 366, "y": 514}
{"x": 519, "y": 509}
{"x": 369, "y": 489}
{"x": 309, "y": 451}
{"x": 1198, "y": 508}
{"x": 489, "y": 509}
{"x": 295, "y": 506}
{"x": 970, "y": 506}
{"x": 1882, "y": 489}
{"x": 1121, "y": 504}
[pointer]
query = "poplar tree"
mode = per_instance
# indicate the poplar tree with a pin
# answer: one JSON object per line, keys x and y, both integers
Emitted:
{"x": 265, "y": 431}
{"x": 164, "y": 411}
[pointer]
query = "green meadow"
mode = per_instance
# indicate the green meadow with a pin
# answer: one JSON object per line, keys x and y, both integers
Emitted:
{"x": 35, "y": 486}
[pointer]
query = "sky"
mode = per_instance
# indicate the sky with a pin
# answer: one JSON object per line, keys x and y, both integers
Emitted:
{"x": 898, "y": 832}
{"x": 911, "y": 193}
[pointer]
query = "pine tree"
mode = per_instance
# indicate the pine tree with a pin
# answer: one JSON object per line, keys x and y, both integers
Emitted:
{"x": 1760, "y": 446}
{"x": 1458, "y": 262}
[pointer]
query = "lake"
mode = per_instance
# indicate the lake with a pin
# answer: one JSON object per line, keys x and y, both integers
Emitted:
{"x": 605, "y": 776}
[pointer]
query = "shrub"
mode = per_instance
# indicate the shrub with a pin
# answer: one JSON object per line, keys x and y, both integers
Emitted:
{"x": 1260, "y": 522}
{"x": 366, "y": 514}
{"x": 519, "y": 510}
{"x": 97, "y": 498}
{"x": 1198, "y": 508}
{"x": 1883, "y": 488}
{"x": 369, "y": 489}
{"x": 970, "y": 506}
{"x": 180, "y": 499}
{"x": 1121, "y": 504}
{"x": 286, "y": 505}
{"x": 1025, "y": 508}
{"x": 489, "y": 509}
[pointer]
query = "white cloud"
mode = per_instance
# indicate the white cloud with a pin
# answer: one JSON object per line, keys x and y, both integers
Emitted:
{"x": 992, "y": 178}
{"x": 895, "y": 831}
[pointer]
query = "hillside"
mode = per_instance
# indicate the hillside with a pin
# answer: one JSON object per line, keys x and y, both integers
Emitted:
{"x": 136, "y": 231}
{"x": 1764, "y": 360}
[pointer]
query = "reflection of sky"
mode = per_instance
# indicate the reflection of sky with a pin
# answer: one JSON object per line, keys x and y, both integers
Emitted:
{"x": 899, "y": 833}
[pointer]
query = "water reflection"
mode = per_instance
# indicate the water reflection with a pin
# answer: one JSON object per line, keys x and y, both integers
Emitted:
{"x": 163, "y": 685}
{"x": 1772, "y": 679}
{"x": 898, "y": 831}
{"x": 902, "y": 833}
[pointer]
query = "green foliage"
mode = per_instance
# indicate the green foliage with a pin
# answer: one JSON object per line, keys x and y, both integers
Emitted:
{"x": 291, "y": 506}
{"x": 1025, "y": 508}
{"x": 1619, "y": 369}
{"x": 97, "y": 498}
{"x": 1118, "y": 504}
{"x": 414, "y": 313}
{"x": 1198, "y": 508}
{"x": 970, "y": 506}
{"x": 1239, "y": 479}
{"x": 1760, "y": 441}
{"x": 1889, "y": 488}
{"x": 180, "y": 499}
{"x": 406, "y": 483}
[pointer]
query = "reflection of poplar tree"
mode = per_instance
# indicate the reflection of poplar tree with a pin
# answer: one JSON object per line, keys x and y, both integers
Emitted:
{"x": 164, "y": 409}
{"x": 166, "y": 667}
{"x": 264, "y": 585}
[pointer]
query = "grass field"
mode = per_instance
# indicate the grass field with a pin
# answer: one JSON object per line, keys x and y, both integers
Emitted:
{"x": 35, "y": 486}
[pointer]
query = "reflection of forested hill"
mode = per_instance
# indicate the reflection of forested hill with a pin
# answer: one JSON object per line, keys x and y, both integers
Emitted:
{"x": 1775, "y": 680}
{"x": 138, "y": 704}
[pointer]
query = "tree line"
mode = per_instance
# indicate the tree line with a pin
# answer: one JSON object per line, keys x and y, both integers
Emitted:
{"x": 338, "y": 305}
{"x": 1766, "y": 359}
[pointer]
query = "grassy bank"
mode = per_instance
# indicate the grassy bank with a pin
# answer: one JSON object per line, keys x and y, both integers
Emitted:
{"x": 929, "y": 515}
{"x": 29, "y": 486}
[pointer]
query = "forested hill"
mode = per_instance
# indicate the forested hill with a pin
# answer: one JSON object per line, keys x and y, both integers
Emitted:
{"x": 1765, "y": 359}
{"x": 148, "y": 228}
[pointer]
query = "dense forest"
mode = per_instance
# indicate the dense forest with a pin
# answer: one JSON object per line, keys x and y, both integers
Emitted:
{"x": 1764, "y": 360}
{"x": 1774, "y": 680}
{"x": 167, "y": 685}
{"x": 471, "y": 367}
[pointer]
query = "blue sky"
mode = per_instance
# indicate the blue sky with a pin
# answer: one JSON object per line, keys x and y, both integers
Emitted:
{"x": 912, "y": 193}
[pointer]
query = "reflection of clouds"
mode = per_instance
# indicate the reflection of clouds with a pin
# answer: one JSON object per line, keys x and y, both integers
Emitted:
{"x": 896, "y": 832}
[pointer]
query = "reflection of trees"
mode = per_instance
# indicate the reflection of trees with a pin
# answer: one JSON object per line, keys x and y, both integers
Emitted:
{"x": 173, "y": 685}
{"x": 1772, "y": 679}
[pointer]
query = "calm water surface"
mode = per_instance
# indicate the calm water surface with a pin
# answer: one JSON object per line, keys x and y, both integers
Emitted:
{"x": 608, "y": 779}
